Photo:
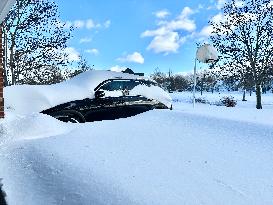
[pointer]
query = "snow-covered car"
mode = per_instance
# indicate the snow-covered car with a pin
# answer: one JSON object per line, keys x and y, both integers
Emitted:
{"x": 91, "y": 96}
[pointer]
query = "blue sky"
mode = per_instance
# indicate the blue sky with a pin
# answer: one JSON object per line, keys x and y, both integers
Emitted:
{"x": 139, "y": 34}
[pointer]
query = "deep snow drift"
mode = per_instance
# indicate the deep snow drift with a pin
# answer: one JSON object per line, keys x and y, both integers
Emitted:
{"x": 184, "y": 156}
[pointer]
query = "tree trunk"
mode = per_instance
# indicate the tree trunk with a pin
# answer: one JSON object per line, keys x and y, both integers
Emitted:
{"x": 244, "y": 95}
{"x": 202, "y": 88}
{"x": 6, "y": 83}
{"x": 11, "y": 59}
{"x": 258, "y": 97}
{"x": 11, "y": 64}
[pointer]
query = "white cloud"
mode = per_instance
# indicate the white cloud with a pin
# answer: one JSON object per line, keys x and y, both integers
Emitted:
{"x": 118, "y": 68}
{"x": 92, "y": 51}
{"x": 166, "y": 38}
{"x": 182, "y": 22}
{"x": 88, "y": 24}
{"x": 72, "y": 54}
{"x": 68, "y": 24}
{"x": 206, "y": 31}
{"x": 186, "y": 12}
{"x": 200, "y": 6}
{"x": 134, "y": 57}
{"x": 158, "y": 32}
{"x": 162, "y": 14}
{"x": 107, "y": 24}
{"x": 79, "y": 24}
{"x": 165, "y": 43}
{"x": 218, "y": 18}
{"x": 220, "y": 4}
{"x": 85, "y": 40}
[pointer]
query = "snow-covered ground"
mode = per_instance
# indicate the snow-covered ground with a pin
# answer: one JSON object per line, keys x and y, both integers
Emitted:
{"x": 243, "y": 111}
{"x": 206, "y": 155}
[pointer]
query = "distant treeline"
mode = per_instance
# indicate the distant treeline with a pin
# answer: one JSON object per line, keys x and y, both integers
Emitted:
{"x": 206, "y": 80}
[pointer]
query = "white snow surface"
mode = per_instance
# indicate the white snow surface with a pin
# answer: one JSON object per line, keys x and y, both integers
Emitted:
{"x": 25, "y": 99}
{"x": 163, "y": 157}
{"x": 243, "y": 111}
{"x": 153, "y": 92}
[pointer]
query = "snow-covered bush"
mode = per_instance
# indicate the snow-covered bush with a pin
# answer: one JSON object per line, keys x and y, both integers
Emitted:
{"x": 202, "y": 100}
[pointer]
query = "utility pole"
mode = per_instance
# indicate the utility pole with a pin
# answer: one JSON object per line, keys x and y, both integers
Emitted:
{"x": 194, "y": 81}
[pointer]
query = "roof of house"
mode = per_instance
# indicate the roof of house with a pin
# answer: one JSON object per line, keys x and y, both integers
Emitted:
{"x": 130, "y": 71}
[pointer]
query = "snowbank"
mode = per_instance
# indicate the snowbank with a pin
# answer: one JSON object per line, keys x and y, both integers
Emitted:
{"x": 153, "y": 92}
{"x": 161, "y": 157}
{"x": 32, "y": 126}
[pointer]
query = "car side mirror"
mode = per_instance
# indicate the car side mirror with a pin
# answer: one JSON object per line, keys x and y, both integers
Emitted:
{"x": 99, "y": 94}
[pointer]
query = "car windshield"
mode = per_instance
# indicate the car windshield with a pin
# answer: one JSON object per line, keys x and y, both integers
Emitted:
{"x": 123, "y": 84}
{"x": 112, "y": 86}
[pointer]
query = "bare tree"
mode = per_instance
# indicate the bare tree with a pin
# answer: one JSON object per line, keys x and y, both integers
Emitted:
{"x": 159, "y": 77}
{"x": 35, "y": 38}
{"x": 245, "y": 39}
{"x": 82, "y": 66}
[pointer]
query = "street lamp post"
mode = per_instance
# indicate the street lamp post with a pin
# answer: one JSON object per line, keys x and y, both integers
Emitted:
{"x": 194, "y": 81}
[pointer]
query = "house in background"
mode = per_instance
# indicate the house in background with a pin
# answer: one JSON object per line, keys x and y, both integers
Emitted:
{"x": 130, "y": 71}
{"x": 5, "y": 6}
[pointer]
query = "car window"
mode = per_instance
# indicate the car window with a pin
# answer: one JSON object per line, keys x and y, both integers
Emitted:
{"x": 112, "y": 86}
{"x": 120, "y": 85}
{"x": 129, "y": 85}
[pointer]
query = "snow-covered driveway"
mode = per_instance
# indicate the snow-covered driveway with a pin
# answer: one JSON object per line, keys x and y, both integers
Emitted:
{"x": 158, "y": 157}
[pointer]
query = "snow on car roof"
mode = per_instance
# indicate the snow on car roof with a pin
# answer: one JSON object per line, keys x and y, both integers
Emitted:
{"x": 91, "y": 79}
{"x": 35, "y": 98}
